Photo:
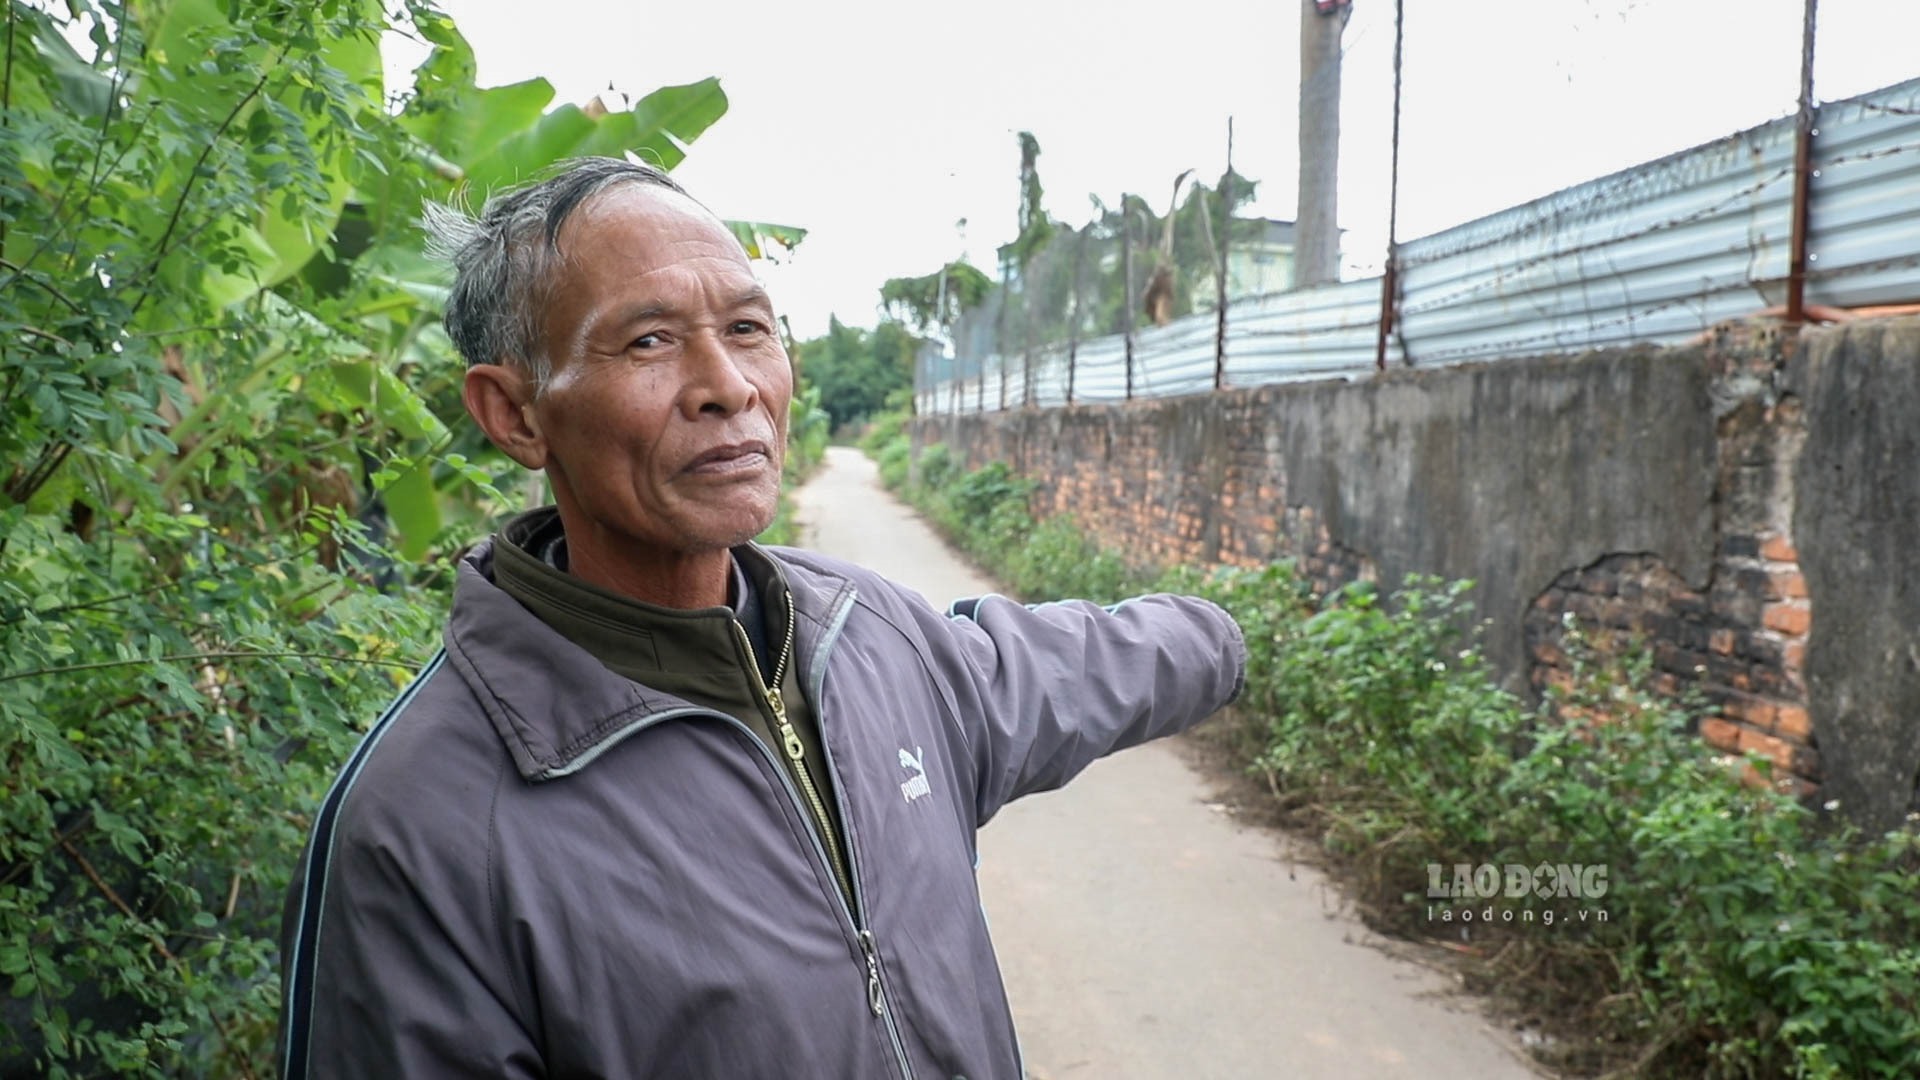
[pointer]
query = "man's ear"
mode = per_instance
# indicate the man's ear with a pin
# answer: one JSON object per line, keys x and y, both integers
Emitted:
{"x": 499, "y": 397}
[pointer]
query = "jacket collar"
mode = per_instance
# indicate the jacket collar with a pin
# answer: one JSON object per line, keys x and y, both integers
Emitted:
{"x": 555, "y": 707}
{"x": 660, "y": 646}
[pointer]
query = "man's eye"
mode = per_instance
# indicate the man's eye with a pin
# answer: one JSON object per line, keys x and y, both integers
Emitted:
{"x": 645, "y": 341}
{"x": 746, "y": 326}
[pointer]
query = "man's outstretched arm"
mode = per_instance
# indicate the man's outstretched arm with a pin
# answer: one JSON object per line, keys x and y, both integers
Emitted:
{"x": 1044, "y": 690}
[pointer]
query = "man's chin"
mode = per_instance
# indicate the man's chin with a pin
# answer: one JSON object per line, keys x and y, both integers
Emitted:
{"x": 732, "y": 530}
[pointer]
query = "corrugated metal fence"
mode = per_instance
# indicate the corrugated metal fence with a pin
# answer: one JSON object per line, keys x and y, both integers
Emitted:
{"x": 1655, "y": 254}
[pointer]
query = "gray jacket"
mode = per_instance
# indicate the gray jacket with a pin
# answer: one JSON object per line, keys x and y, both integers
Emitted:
{"x": 534, "y": 867}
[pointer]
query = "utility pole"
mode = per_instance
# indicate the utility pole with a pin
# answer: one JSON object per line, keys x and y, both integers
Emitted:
{"x": 1316, "y": 231}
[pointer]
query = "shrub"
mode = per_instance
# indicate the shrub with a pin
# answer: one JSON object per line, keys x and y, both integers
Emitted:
{"x": 1743, "y": 938}
{"x": 1055, "y": 559}
{"x": 228, "y": 502}
{"x": 1740, "y": 935}
{"x": 885, "y": 428}
{"x": 973, "y": 497}
{"x": 895, "y": 457}
{"x": 808, "y": 427}
{"x": 937, "y": 467}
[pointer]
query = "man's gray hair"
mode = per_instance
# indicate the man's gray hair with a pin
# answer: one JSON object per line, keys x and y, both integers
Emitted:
{"x": 503, "y": 261}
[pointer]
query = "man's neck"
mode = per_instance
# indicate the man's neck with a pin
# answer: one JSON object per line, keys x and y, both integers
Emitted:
{"x": 682, "y": 580}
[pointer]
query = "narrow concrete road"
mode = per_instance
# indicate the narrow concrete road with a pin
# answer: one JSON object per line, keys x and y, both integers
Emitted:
{"x": 1142, "y": 933}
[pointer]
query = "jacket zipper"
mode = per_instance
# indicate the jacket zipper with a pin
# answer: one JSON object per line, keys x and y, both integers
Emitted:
{"x": 876, "y": 988}
{"x": 876, "y": 1000}
{"x": 790, "y": 742}
{"x": 796, "y": 754}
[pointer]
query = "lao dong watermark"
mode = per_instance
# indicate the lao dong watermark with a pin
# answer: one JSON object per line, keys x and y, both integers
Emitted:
{"x": 1516, "y": 893}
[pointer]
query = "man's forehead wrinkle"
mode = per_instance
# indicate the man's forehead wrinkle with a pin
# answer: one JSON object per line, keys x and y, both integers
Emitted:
{"x": 594, "y": 203}
{"x": 611, "y": 244}
{"x": 662, "y": 249}
{"x": 755, "y": 295}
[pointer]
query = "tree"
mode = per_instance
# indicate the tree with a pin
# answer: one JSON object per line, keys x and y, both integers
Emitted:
{"x": 1316, "y": 254}
{"x": 855, "y": 371}
{"x": 1072, "y": 284}
{"x": 227, "y": 494}
{"x": 936, "y": 300}
{"x": 1075, "y": 283}
{"x": 1036, "y": 227}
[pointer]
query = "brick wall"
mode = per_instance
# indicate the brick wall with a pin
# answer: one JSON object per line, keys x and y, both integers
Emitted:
{"x": 1649, "y": 495}
{"x": 1741, "y": 641}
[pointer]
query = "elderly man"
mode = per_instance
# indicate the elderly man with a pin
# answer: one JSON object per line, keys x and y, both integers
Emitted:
{"x": 667, "y": 803}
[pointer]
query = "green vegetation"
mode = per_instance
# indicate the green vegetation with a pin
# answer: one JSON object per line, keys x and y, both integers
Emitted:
{"x": 1742, "y": 938}
{"x": 985, "y": 512}
{"x": 857, "y": 370}
{"x": 807, "y": 429}
{"x": 229, "y": 488}
{"x": 1060, "y": 282}
{"x": 936, "y": 300}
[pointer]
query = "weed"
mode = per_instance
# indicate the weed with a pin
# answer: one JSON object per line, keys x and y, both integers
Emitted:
{"x": 1742, "y": 939}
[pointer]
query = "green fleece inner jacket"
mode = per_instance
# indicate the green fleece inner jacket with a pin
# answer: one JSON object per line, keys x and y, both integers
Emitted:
{"x": 705, "y": 655}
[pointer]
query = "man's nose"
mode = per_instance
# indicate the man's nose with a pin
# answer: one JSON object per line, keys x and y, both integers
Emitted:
{"x": 718, "y": 380}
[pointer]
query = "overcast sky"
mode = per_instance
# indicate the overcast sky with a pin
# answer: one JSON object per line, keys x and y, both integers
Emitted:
{"x": 878, "y": 126}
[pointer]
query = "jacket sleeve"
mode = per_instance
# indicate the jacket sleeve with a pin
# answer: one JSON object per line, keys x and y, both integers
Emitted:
{"x": 379, "y": 982}
{"x": 1044, "y": 690}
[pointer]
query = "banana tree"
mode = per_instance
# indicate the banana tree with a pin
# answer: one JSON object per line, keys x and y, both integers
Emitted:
{"x": 219, "y": 357}
{"x": 470, "y": 141}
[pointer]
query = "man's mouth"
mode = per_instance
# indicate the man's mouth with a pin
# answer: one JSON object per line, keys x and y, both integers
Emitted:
{"x": 733, "y": 457}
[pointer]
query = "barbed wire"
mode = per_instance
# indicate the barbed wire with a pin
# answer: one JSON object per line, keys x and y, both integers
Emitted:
{"x": 1572, "y": 296}
{"x": 1675, "y": 172}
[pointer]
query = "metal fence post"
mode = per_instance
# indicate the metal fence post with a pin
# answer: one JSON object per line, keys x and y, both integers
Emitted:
{"x": 1220, "y": 290}
{"x": 1390, "y": 274}
{"x": 1802, "y": 176}
{"x": 1126, "y": 273}
{"x": 1073, "y": 326}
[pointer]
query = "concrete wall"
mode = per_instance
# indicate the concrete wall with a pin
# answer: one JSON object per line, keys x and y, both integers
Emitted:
{"x": 1649, "y": 493}
{"x": 1857, "y": 521}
